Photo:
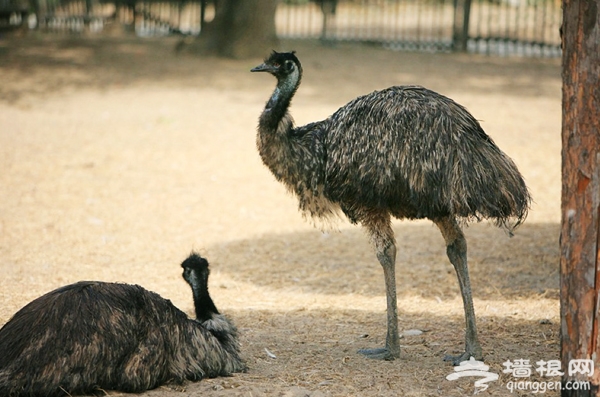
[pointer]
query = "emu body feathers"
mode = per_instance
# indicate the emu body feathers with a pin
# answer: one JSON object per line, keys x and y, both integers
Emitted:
{"x": 95, "y": 335}
{"x": 403, "y": 152}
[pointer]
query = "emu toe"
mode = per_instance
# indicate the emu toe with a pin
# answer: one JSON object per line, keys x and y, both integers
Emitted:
{"x": 379, "y": 354}
{"x": 456, "y": 360}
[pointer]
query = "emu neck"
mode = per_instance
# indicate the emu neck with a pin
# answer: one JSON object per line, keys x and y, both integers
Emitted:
{"x": 279, "y": 103}
{"x": 203, "y": 303}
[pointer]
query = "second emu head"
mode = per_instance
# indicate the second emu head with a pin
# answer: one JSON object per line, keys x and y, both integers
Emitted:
{"x": 195, "y": 273}
{"x": 195, "y": 270}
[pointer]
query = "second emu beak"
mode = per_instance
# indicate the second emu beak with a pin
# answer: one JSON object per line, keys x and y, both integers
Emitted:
{"x": 264, "y": 68}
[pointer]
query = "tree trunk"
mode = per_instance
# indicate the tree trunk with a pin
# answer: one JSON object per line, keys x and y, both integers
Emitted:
{"x": 580, "y": 232}
{"x": 240, "y": 29}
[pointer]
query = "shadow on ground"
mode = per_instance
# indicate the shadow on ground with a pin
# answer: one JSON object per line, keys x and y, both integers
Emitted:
{"x": 344, "y": 263}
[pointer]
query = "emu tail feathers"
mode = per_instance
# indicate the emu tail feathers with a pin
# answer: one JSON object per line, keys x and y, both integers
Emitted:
{"x": 485, "y": 183}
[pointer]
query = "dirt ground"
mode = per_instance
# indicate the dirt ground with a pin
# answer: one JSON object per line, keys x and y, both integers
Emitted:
{"x": 118, "y": 157}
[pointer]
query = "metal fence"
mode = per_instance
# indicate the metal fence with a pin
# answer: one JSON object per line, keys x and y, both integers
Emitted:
{"x": 502, "y": 27}
{"x": 72, "y": 16}
{"x": 13, "y": 14}
{"x": 404, "y": 24}
{"x": 528, "y": 27}
{"x": 524, "y": 27}
{"x": 145, "y": 18}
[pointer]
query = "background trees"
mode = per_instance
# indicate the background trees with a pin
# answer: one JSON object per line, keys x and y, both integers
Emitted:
{"x": 240, "y": 29}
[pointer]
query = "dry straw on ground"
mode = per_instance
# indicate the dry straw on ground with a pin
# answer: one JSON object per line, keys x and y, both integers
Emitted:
{"x": 118, "y": 158}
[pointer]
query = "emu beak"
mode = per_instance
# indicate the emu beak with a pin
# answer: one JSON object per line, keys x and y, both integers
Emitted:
{"x": 264, "y": 68}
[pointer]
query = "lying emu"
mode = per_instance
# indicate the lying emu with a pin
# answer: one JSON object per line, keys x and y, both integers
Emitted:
{"x": 92, "y": 336}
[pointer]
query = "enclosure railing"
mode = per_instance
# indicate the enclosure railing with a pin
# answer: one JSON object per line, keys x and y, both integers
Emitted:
{"x": 528, "y": 27}
{"x": 402, "y": 24}
{"x": 13, "y": 14}
{"x": 523, "y": 27}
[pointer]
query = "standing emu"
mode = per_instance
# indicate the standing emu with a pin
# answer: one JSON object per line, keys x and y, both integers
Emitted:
{"x": 405, "y": 152}
{"x": 92, "y": 336}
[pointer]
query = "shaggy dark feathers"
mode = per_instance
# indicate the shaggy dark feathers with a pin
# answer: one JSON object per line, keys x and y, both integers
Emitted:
{"x": 418, "y": 155}
{"x": 93, "y": 335}
{"x": 407, "y": 150}
{"x": 404, "y": 152}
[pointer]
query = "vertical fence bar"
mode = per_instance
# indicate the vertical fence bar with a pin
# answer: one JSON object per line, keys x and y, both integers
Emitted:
{"x": 88, "y": 12}
{"x": 462, "y": 11}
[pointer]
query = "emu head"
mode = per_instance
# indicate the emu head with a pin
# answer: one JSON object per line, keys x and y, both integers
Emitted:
{"x": 195, "y": 270}
{"x": 280, "y": 65}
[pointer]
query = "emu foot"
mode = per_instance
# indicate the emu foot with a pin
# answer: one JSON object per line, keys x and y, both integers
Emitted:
{"x": 379, "y": 354}
{"x": 456, "y": 360}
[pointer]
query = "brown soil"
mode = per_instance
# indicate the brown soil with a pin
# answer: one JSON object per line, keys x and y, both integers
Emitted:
{"x": 118, "y": 158}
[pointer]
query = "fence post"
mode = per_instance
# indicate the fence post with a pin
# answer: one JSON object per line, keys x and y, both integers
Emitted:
{"x": 460, "y": 35}
{"x": 328, "y": 8}
{"x": 88, "y": 13}
{"x": 202, "y": 15}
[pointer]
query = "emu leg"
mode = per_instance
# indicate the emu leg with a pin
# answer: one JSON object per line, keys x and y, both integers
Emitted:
{"x": 382, "y": 237}
{"x": 456, "y": 249}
